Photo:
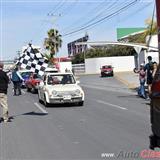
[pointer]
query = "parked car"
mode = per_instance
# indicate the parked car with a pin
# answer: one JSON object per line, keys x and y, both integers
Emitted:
{"x": 25, "y": 75}
{"x": 106, "y": 70}
{"x": 33, "y": 82}
{"x": 59, "y": 88}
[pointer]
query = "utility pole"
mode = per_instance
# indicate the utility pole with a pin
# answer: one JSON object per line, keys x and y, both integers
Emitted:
{"x": 158, "y": 24}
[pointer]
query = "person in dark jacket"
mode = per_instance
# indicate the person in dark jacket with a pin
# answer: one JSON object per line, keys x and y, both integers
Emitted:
{"x": 149, "y": 69}
{"x": 4, "y": 80}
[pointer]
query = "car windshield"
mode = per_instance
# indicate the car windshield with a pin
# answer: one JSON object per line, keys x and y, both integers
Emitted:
{"x": 36, "y": 76}
{"x": 105, "y": 67}
{"x": 25, "y": 74}
{"x": 60, "y": 79}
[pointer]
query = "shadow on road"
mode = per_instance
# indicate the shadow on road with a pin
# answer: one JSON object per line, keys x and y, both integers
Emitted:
{"x": 33, "y": 113}
{"x": 67, "y": 105}
{"x": 130, "y": 96}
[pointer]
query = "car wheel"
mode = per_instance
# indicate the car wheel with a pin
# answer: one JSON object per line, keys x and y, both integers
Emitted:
{"x": 34, "y": 90}
{"x": 81, "y": 103}
{"x": 45, "y": 102}
{"x": 28, "y": 89}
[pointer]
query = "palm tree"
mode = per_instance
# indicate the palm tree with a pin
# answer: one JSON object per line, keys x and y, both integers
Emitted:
{"x": 53, "y": 42}
{"x": 151, "y": 29}
{"x": 151, "y": 26}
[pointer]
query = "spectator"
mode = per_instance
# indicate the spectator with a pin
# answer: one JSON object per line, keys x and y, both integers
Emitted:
{"x": 142, "y": 76}
{"x": 17, "y": 80}
{"x": 155, "y": 66}
{"x": 4, "y": 80}
{"x": 149, "y": 69}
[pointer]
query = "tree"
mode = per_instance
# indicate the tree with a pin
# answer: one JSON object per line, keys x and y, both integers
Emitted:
{"x": 53, "y": 42}
{"x": 104, "y": 52}
{"x": 151, "y": 29}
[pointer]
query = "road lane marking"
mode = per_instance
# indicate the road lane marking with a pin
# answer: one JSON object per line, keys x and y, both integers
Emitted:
{"x": 110, "y": 104}
{"x": 104, "y": 88}
{"x": 39, "y": 107}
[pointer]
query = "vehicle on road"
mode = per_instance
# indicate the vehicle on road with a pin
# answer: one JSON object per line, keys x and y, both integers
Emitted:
{"x": 25, "y": 75}
{"x": 106, "y": 70}
{"x": 33, "y": 82}
{"x": 59, "y": 88}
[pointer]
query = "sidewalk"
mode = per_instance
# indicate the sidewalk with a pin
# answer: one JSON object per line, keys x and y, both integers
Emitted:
{"x": 130, "y": 79}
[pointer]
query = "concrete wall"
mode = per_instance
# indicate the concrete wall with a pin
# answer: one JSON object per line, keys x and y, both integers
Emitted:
{"x": 120, "y": 64}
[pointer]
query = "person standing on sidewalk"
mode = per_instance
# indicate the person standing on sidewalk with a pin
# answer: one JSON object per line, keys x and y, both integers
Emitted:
{"x": 17, "y": 80}
{"x": 149, "y": 69}
{"x": 142, "y": 79}
{"x": 4, "y": 80}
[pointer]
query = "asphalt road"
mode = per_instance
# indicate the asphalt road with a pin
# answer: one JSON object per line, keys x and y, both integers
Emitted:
{"x": 112, "y": 120}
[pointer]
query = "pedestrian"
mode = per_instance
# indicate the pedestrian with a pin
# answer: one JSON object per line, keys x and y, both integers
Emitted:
{"x": 142, "y": 79}
{"x": 149, "y": 69}
{"x": 17, "y": 80}
{"x": 155, "y": 66}
{"x": 4, "y": 80}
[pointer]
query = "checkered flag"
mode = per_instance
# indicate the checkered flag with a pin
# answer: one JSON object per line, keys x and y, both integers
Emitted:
{"x": 33, "y": 60}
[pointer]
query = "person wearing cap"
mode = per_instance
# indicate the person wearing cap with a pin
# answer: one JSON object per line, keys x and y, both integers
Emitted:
{"x": 4, "y": 80}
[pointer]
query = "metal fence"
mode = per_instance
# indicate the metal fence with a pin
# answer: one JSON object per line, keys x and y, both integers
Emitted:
{"x": 78, "y": 68}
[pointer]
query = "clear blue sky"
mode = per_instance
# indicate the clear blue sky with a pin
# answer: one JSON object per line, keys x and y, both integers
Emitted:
{"x": 26, "y": 20}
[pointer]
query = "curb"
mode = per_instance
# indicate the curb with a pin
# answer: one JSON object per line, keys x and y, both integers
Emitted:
{"x": 129, "y": 85}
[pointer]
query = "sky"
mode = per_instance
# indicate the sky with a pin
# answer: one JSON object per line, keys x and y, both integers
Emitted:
{"x": 24, "y": 21}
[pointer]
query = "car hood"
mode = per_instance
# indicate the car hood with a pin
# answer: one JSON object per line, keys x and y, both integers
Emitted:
{"x": 65, "y": 87}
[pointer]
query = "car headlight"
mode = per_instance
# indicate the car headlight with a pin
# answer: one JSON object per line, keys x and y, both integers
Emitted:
{"x": 54, "y": 93}
{"x": 77, "y": 91}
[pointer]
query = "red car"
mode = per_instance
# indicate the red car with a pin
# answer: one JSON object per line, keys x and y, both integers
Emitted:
{"x": 107, "y": 70}
{"x": 33, "y": 82}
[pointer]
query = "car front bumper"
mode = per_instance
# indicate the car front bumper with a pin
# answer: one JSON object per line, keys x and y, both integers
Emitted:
{"x": 107, "y": 73}
{"x": 62, "y": 100}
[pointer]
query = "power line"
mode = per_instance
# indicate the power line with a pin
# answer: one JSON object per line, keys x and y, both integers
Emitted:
{"x": 83, "y": 17}
{"x": 111, "y": 7}
{"x": 104, "y": 18}
{"x": 151, "y": 26}
{"x": 64, "y": 12}
{"x": 58, "y": 6}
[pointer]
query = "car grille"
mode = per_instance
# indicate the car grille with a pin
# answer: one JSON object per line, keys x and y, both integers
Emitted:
{"x": 61, "y": 94}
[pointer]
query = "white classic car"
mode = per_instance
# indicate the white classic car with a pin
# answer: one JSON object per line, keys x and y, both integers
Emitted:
{"x": 58, "y": 88}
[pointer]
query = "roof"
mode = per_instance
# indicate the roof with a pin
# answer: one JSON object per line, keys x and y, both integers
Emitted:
{"x": 125, "y": 32}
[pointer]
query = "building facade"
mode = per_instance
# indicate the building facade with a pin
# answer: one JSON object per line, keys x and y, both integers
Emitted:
{"x": 74, "y": 49}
